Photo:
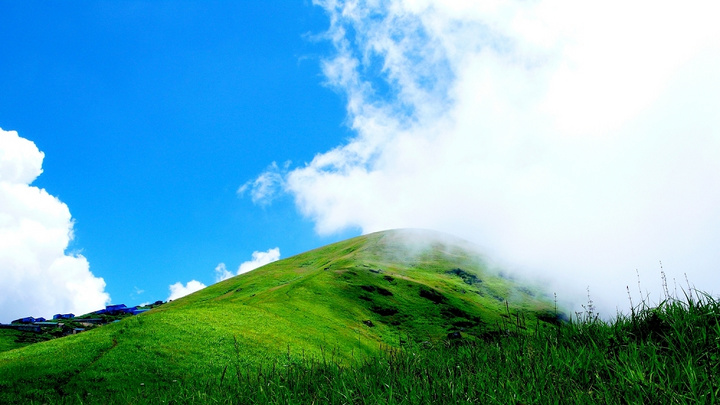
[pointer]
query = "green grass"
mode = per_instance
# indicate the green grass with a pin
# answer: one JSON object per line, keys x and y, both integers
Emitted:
{"x": 346, "y": 300}
{"x": 662, "y": 355}
{"x": 296, "y": 331}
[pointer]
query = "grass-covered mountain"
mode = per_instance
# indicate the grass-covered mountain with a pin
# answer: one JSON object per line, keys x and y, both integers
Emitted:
{"x": 342, "y": 303}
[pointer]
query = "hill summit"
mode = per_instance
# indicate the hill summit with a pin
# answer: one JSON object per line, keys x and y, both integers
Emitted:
{"x": 346, "y": 300}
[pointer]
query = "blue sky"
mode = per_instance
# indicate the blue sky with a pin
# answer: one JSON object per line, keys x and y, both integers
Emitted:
{"x": 151, "y": 115}
{"x": 191, "y": 139}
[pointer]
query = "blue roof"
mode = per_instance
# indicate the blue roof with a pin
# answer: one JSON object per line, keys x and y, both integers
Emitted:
{"x": 115, "y": 307}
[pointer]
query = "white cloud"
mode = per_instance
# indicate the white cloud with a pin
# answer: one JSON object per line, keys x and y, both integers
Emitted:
{"x": 222, "y": 273}
{"x": 259, "y": 259}
{"x": 20, "y": 159}
{"x": 266, "y": 186}
{"x": 37, "y": 277}
{"x": 574, "y": 141}
{"x": 178, "y": 290}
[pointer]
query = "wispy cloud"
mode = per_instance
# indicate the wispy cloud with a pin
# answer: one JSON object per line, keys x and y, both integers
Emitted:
{"x": 37, "y": 276}
{"x": 575, "y": 141}
{"x": 266, "y": 186}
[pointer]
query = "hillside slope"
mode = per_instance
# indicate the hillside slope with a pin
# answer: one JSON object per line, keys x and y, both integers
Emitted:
{"x": 344, "y": 301}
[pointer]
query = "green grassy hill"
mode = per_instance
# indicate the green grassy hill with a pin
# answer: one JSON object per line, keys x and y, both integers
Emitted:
{"x": 343, "y": 302}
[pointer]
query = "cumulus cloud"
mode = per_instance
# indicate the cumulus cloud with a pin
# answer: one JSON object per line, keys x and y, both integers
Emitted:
{"x": 576, "y": 142}
{"x": 37, "y": 276}
{"x": 178, "y": 290}
{"x": 259, "y": 259}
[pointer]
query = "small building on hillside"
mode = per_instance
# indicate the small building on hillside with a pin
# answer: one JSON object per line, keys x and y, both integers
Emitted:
{"x": 115, "y": 309}
{"x": 91, "y": 321}
{"x": 26, "y": 327}
{"x": 63, "y": 316}
{"x": 46, "y": 324}
{"x": 27, "y": 319}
